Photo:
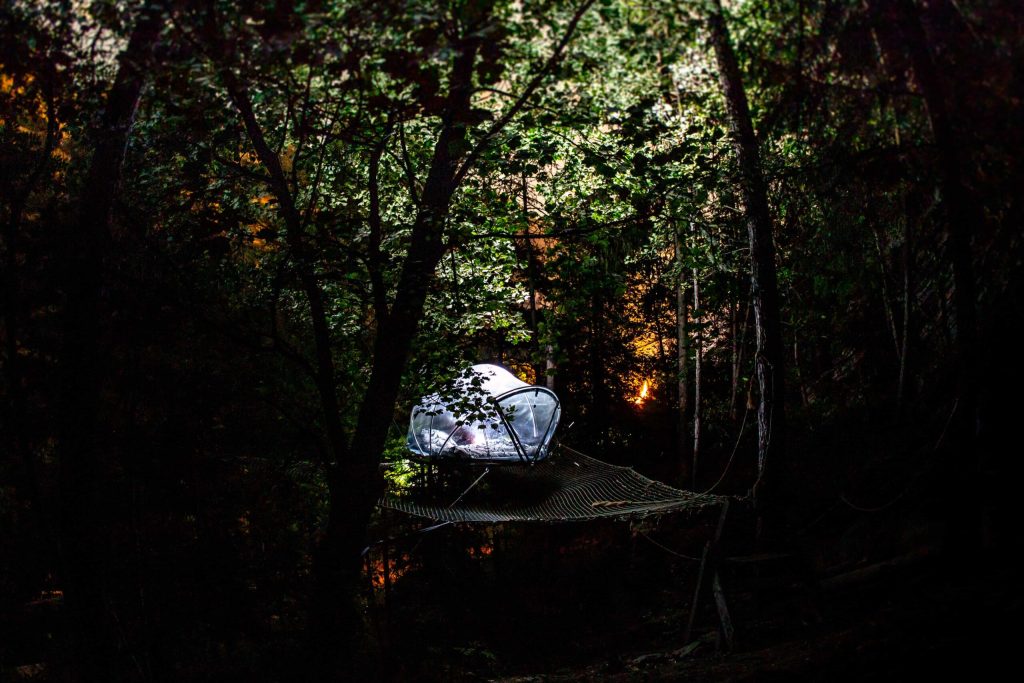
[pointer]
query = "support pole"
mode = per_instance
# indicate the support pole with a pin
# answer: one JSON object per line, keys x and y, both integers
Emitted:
{"x": 708, "y": 564}
{"x": 696, "y": 595}
{"x": 723, "y": 613}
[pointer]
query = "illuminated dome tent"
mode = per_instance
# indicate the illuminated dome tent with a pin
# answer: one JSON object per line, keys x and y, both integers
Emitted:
{"x": 487, "y": 415}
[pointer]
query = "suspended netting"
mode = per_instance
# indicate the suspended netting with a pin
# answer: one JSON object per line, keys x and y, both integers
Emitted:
{"x": 569, "y": 488}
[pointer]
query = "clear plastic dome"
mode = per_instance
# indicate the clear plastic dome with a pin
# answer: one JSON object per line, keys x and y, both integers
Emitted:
{"x": 488, "y": 414}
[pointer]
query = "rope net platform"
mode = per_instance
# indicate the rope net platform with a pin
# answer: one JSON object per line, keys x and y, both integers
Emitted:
{"x": 572, "y": 487}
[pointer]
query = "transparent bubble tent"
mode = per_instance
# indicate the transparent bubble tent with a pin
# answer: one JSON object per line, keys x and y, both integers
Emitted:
{"x": 486, "y": 415}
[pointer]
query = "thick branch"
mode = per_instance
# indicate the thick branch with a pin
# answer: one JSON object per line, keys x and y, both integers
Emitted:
{"x": 407, "y": 165}
{"x": 325, "y": 371}
{"x": 531, "y": 87}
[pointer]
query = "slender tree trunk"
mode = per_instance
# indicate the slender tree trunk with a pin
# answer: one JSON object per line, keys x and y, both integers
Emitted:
{"x": 654, "y": 320}
{"x": 798, "y": 70}
{"x": 83, "y": 543}
{"x": 906, "y": 263}
{"x": 907, "y": 251}
{"x": 682, "y": 353}
{"x": 900, "y": 28}
{"x": 549, "y": 366}
{"x": 799, "y": 373}
{"x": 663, "y": 361}
{"x": 771, "y": 421}
{"x": 962, "y": 215}
{"x": 734, "y": 331}
{"x": 698, "y": 362}
{"x": 890, "y": 316}
{"x": 531, "y": 278}
{"x": 964, "y": 526}
{"x": 598, "y": 395}
{"x": 668, "y": 363}
{"x": 908, "y": 310}
{"x": 739, "y": 350}
{"x": 530, "y": 265}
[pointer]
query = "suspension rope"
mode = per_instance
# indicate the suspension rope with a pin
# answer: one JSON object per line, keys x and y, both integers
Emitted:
{"x": 739, "y": 437}
{"x": 667, "y": 549}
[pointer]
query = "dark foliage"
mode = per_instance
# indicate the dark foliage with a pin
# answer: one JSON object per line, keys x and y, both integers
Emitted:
{"x": 239, "y": 240}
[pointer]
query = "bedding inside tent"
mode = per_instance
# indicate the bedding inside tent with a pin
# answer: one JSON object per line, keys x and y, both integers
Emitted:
{"x": 488, "y": 415}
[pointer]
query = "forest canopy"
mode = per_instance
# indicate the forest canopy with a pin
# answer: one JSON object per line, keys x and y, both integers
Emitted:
{"x": 771, "y": 249}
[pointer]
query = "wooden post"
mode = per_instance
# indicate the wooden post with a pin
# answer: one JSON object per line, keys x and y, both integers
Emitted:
{"x": 708, "y": 562}
{"x": 696, "y": 595}
{"x": 723, "y": 612}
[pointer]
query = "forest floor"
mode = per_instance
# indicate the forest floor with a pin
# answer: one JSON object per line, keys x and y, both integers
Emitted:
{"x": 576, "y": 614}
{"x": 910, "y": 623}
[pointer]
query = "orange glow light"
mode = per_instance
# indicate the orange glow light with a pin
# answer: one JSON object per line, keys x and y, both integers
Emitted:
{"x": 643, "y": 393}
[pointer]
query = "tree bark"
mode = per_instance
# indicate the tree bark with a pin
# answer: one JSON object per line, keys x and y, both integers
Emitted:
{"x": 531, "y": 279}
{"x": 598, "y": 395}
{"x": 81, "y": 521}
{"x": 357, "y": 484}
{"x": 739, "y": 345}
{"x": 961, "y": 213}
{"x": 549, "y": 366}
{"x": 770, "y": 367}
{"x": 900, "y": 28}
{"x": 908, "y": 310}
{"x": 698, "y": 362}
{"x": 354, "y": 483}
{"x": 734, "y": 375}
{"x": 890, "y": 316}
{"x": 333, "y": 613}
{"x": 682, "y": 353}
{"x": 962, "y": 467}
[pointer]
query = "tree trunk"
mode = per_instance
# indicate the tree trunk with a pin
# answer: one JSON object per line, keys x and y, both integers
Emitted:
{"x": 908, "y": 310}
{"x": 531, "y": 279}
{"x": 682, "y": 352}
{"x": 962, "y": 217}
{"x": 890, "y": 316}
{"x": 739, "y": 346}
{"x": 354, "y": 483}
{"x": 734, "y": 375}
{"x": 598, "y": 395}
{"x": 771, "y": 423}
{"x": 698, "y": 361}
{"x": 663, "y": 361}
{"x": 357, "y": 485}
{"x": 549, "y": 366}
{"x": 804, "y": 400}
{"x": 900, "y": 27}
{"x": 961, "y": 213}
{"x": 83, "y": 542}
